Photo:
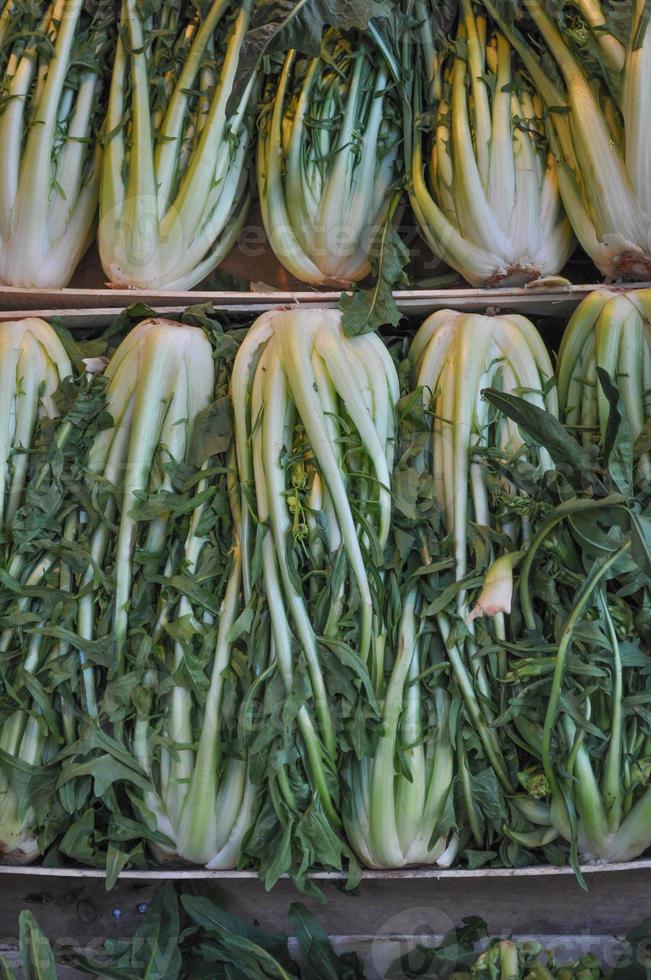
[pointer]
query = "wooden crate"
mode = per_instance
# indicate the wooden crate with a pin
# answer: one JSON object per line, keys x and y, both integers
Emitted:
{"x": 391, "y": 912}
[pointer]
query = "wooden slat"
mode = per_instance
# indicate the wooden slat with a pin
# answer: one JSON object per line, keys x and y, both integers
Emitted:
{"x": 93, "y": 310}
{"x": 404, "y": 874}
{"x": 548, "y": 302}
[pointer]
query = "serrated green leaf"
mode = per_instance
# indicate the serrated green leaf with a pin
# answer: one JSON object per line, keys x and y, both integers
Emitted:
{"x": 546, "y": 430}
{"x": 365, "y": 310}
{"x": 618, "y": 449}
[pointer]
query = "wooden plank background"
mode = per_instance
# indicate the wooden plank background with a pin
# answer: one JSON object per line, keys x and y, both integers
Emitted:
{"x": 81, "y": 907}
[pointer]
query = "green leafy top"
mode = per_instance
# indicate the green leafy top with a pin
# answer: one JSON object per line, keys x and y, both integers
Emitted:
{"x": 283, "y": 24}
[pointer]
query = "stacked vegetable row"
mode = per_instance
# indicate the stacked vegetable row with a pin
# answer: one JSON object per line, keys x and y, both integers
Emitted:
{"x": 293, "y": 598}
{"x": 515, "y": 130}
{"x": 181, "y": 934}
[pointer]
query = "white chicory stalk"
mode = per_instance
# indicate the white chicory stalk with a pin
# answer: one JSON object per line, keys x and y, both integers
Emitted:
{"x": 52, "y": 98}
{"x": 328, "y": 158}
{"x": 33, "y": 363}
{"x": 203, "y": 799}
{"x": 314, "y": 428}
{"x": 394, "y": 810}
{"x": 454, "y": 357}
{"x": 201, "y": 795}
{"x": 159, "y": 379}
{"x": 175, "y": 182}
{"x": 609, "y": 330}
{"x": 597, "y": 121}
{"x": 484, "y": 185}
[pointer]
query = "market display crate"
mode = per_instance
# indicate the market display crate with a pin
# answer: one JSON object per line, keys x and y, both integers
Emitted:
{"x": 250, "y": 160}
{"x": 388, "y": 902}
{"x": 391, "y": 914}
{"x": 398, "y": 886}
